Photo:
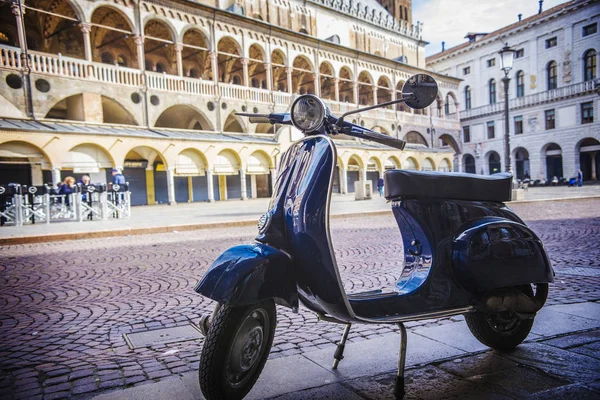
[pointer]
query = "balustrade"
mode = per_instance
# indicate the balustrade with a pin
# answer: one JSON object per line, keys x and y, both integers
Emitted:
{"x": 10, "y": 57}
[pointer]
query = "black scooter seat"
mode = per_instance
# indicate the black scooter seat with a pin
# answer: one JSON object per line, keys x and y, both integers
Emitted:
{"x": 447, "y": 185}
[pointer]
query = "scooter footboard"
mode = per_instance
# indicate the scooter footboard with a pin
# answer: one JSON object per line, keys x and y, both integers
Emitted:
{"x": 493, "y": 253}
{"x": 246, "y": 274}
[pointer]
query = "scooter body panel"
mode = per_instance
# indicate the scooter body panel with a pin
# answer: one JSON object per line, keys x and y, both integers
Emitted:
{"x": 247, "y": 274}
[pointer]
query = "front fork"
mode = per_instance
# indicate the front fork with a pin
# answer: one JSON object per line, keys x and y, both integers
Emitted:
{"x": 206, "y": 320}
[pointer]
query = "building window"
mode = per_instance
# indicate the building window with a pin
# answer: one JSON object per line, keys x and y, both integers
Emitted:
{"x": 518, "y": 125}
{"x": 492, "y": 90}
{"x": 550, "y": 119}
{"x": 160, "y": 67}
{"x": 551, "y": 75}
{"x": 520, "y": 79}
{"x": 520, "y": 53}
{"x": 589, "y": 65}
{"x": 468, "y": 98}
{"x": 107, "y": 58}
{"x": 551, "y": 42}
{"x": 491, "y": 133}
{"x": 466, "y": 134}
{"x": 589, "y": 29}
{"x": 587, "y": 112}
{"x": 447, "y": 107}
{"x": 121, "y": 60}
{"x": 491, "y": 62}
{"x": 466, "y": 70}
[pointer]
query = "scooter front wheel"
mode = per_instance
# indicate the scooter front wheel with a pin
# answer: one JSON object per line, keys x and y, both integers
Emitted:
{"x": 501, "y": 330}
{"x": 236, "y": 349}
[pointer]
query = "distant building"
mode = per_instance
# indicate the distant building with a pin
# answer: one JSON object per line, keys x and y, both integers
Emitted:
{"x": 553, "y": 93}
{"x": 152, "y": 87}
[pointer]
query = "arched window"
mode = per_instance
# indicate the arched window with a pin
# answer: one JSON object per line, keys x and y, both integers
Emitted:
{"x": 551, "y": 75}
{"x": 520, "y": 84}
{"x": 236, "y": 80}
{"x": 492, "y": 90}
{"x": 468, "y": 97}
{"x": 107, "y": 58}
{"x": 589, "y": 65}
{"x": 194, "y": 73}
{"x": 160, "y": 67}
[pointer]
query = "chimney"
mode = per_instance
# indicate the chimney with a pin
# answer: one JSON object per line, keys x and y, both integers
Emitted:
{"x": 520, "y": 16}
{"x": 541, "y": 3}
{"x": 443, "y": 46}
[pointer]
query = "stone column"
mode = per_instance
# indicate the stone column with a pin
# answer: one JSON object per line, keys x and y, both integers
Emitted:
{"x": 375, "y": 95}
{"x": 245, "y": 79}
{"x": 336, "y": 88}
{"x": 593, "y": 159}
{"x": 18, "y": 13}
{"x": 178, "y": 49}
{"x": 317, "y": 84}
{"x": 87, "y": 45}
{"x": 214, "y": 65}
{"x": 269, "y": 76}
{"x": 243, "y": 184}
{"x": 355, "y": 92}
{"x": 56, "y": 176}
{"x": 288, "y": 71}
{"x": 343, "y": 180}
{"x": 209, "y": 186}
{"x": 171, "y": 186}
{"x": 253, "y": 187}
{"x": 139, "y": 43}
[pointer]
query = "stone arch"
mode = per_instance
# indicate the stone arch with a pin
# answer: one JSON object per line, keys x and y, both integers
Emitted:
{"x": 229, "y": 55}
{"x": 380, "y": 129}
{"x": 384, "y": 90}
{"x": 278, "y": 74}
{"x": 55, "y": 31}
{"x": 428, "y": 164}
{"x": 553, "y": 165}
{"x": 415, "y": 137}
{"x": 227, "y": 162}
{"x": 234, "y": 124}
{"x": 114, "y": 112}
{"x": 346, "y": 85}
{"x": 303, "y": 75}
{"x": 355, "y": 160}
{"x": 493, "y": 162}
{"x": 190, "y": 161}
{"x": 451, "y": 104}
{"x": 88, "y": 158}
{"x": 259, "y": 162}
{"x": 365, "y": 89}
{"x": 70, "y": 108}
{"x": 159, "y": 46}
{"x": 445, "y": 165}
{"x": 520, "y": 155}
{"x": 469, "y": 164}
{"x": 449, "y": 140}
{"x": 392, "y": 162}
{"x": 587, "y": 153}
{"x": 257, "y": 71}
{"x": 412, "y": 164}
{"x": 112, "y": 33}
{"x": 194, "y": 54}
{"x": 201, "y": 31}
{"x": 327, "y": 77}
{"x": 401, "y": 106}
{"x": 374, "y": 161}
{"x": 183, "y": 116}
{"x": 20, "y": 152}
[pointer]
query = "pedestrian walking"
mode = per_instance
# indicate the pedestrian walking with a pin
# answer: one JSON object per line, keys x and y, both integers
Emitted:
{"x": 579, "y": 178}
{"x": 380, "y": 186}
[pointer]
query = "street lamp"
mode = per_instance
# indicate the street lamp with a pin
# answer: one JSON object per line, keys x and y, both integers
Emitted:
{"x": 506, "y": 58}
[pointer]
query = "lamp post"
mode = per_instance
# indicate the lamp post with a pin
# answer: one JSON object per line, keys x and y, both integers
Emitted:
{"x": 506, "y": 58}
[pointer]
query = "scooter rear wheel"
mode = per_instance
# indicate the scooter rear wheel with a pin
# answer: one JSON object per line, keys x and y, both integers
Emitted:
{"x": 502, "y": 330}
{"x": 236, "y": 349}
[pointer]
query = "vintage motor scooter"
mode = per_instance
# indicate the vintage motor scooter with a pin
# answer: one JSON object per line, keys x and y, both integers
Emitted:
{"x": 465, "y": 253}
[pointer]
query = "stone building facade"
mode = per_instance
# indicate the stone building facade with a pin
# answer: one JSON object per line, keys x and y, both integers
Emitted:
{"x": 553, "y": 94}
{"x": 152, "y": 87}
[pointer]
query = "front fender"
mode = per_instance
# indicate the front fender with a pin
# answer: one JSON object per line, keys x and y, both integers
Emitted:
{"x": 494, "y": 252}
{"x": 246, "y": 274}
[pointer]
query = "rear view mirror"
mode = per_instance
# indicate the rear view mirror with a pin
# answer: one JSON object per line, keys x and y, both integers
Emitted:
{"x": 423, "y": 88}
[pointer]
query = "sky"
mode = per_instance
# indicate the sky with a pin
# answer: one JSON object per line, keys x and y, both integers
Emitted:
{"x": 450, "y": 20}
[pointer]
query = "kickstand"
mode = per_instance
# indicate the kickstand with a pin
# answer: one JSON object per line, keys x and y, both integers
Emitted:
{"x": 339, "y": 351}
{"x": 399, "y": 383}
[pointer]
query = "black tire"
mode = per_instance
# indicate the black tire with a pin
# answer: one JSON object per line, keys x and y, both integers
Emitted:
{"x": 236, "y": 348}
{"x": 501, "y": 331}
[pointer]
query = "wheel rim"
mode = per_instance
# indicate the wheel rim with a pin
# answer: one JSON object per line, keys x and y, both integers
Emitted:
{"x": 247, "y": 347}
{"x": 504, "y": 323}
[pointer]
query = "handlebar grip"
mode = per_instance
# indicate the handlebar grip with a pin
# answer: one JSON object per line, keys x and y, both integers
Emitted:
{"x": 259, "y": 120}
{"x": 385, "y": 139}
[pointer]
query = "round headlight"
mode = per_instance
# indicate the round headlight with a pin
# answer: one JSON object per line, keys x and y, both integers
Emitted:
{"x": 308, "y": 113}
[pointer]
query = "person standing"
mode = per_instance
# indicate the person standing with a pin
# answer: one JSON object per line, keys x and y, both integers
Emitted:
{"x": 380, "y": 186}
{"x": 118, "y": 178}
{"x": 579, "y": 178}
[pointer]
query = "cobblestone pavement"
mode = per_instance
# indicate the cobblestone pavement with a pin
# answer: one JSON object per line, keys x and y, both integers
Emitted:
{"x": 66, "y": 305}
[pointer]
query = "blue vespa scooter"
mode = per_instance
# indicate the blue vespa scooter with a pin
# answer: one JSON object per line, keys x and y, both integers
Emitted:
{"x": 465, "y": 253}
